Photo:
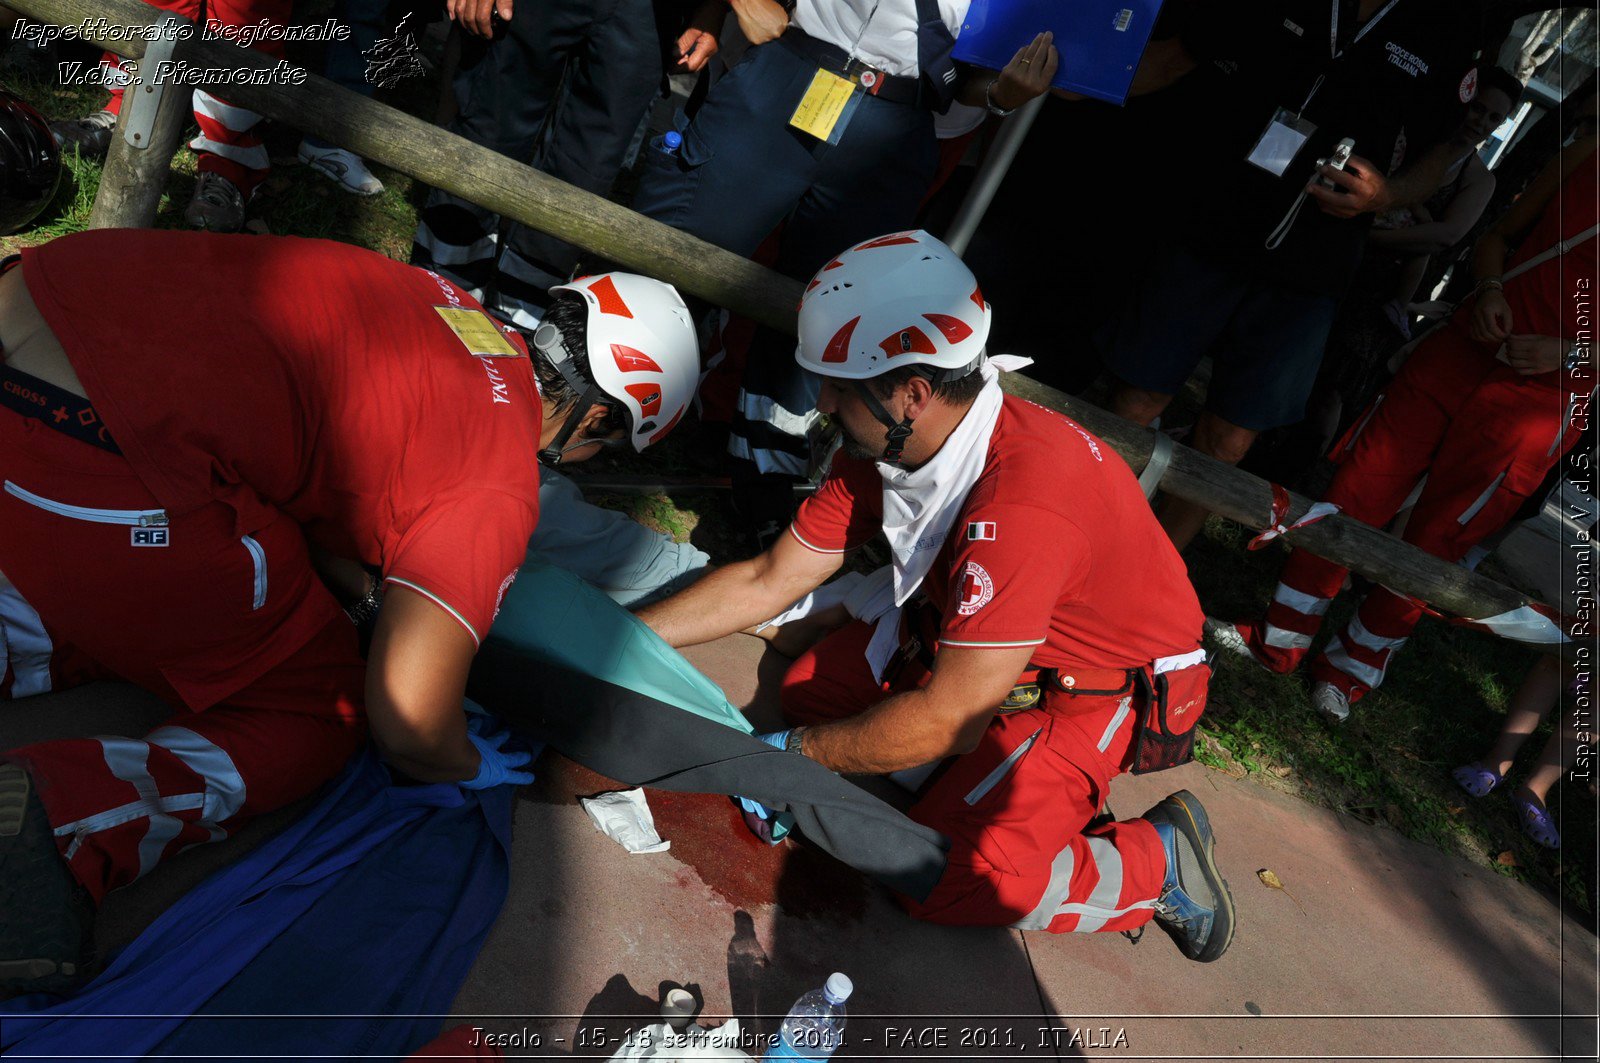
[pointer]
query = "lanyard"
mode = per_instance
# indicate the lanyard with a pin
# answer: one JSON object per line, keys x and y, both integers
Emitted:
{"x": 866, "y": 24}
{"x": 1335, "y": 53}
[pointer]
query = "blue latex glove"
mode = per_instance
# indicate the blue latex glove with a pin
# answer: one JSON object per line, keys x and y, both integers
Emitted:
{"x": 498, "y": 766}
{"x": 479, "y": 719}
{"x": 777, "y": 740}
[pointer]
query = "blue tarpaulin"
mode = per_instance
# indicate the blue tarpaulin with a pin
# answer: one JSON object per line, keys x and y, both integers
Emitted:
{"x": 370, "y": 908}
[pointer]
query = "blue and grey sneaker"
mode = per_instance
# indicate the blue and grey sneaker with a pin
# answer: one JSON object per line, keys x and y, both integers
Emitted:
{"x": 1195, "y": 906}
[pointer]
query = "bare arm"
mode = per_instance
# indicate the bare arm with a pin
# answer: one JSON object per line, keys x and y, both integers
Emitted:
{"x": 1491, "y": 314}
{"x": 741, "y": 595}
{"x": 1361, "y": 188}
{"x": 1460, "y": 216}
{"x": 416, "y": 679}
{"x": 942, "y": 719}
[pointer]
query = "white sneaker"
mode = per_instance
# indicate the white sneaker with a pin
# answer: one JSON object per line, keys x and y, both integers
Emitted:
{"x": 1227, "y": 637}
{"x": 1330, "y": 702}
{"x": 345, "y": 167}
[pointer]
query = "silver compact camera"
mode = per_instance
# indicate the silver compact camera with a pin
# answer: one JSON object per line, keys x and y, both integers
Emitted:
{"x": 1339, "y": 160}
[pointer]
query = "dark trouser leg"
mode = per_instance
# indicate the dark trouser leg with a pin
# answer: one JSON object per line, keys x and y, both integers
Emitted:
{"x": 615, "y": 75}
{"x": 506, "y": 89}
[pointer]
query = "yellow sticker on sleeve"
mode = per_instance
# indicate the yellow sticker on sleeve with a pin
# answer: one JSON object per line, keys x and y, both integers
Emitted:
{"x": 823, "y": 103}
{"x": 478, "y": 332}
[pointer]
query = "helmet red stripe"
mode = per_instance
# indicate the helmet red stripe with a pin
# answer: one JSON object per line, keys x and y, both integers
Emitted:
{"x": 610, "y": 300}
{"x": 955, "y": 330}
{"x": 632, "y": 361}
{"x": 838, "y": 349}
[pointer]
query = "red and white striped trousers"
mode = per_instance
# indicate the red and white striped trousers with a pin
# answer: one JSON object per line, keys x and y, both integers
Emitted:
{"x": 1484, "y": 438}
{"x": 229, "y": 143}
{"x": 1017, "y": 809}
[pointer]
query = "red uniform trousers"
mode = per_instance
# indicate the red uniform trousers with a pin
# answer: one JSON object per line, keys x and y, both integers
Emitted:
{"x": 1482, "y": 435}
{"x": 231, "y": 626}
{"x": 1015, "y": 809}
{"x": 228, "y": 143}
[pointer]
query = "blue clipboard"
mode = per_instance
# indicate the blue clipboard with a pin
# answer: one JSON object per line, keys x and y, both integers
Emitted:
{"x": 1100, "y": 41}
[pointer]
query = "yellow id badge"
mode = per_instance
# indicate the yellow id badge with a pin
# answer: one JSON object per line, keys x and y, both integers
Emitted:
{"x": 477, "y": 332}
{"x": 826, "y": 107}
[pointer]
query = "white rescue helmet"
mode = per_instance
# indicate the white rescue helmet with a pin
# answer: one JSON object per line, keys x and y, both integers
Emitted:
{"x": 642, "y": 347}
{"x": 901, "y": 299}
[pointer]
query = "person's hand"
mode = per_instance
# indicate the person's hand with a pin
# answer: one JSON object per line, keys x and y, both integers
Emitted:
{"x": 1532, "y": 355}
{"x": 698, "y": 43}
{"x": 760, "y": 20}
{"x": 477, "y": 16}
{"x": 1360, "y": 188}
{"x": 1027, "y": 75}
{"x": 497, "y": 766}
{"x": 1491, "y": 317}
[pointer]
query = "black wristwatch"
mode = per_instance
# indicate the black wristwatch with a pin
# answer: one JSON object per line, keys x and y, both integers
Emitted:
{"x": 796, "y": 741}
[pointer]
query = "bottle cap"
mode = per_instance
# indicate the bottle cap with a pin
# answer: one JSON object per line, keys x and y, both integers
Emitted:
{"x": 838, "y": 987}
{"x": 673, "y": 140}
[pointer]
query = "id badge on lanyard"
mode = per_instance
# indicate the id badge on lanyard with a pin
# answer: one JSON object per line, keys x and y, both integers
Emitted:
{"x": 1287, "y": 131}
{"x": 827, "y": 107}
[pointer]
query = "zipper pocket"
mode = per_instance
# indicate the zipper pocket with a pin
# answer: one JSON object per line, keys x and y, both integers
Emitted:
{"x": 1004, "y": 768}
{"x": 258, "y": 557}
{"x": 133, "y": 518}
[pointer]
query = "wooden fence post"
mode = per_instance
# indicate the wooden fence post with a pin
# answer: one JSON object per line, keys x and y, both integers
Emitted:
{"x": 148, "y": 130}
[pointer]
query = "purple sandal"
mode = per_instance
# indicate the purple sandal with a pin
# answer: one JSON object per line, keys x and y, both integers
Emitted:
{"x": 1536, "y": 822}
{"x": 1475, "y": 779}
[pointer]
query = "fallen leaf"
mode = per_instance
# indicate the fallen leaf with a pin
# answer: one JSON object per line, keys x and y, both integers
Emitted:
{"x": 1279, "y": 771}
{"x": 1270, "y": 879}
{"x": 1507, "y": 859}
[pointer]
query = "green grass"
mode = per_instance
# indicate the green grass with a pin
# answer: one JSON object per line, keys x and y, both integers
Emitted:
{"x": 1442, "y": 705}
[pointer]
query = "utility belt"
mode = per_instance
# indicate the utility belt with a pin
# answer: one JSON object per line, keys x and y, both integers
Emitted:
{"x": 836, "y": 60}
{"x": 1169, "y": 694}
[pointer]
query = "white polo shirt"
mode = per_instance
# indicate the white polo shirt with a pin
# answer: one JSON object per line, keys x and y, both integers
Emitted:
{"x": 880, "y": 33}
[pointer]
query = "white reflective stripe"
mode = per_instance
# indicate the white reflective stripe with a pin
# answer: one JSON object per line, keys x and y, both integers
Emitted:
{"x": 991, "y": 645}
{"x": 767, "y": 410}
{"x": 27, "y": 644}
{"x": 134, "y": 518}
{"x": 776, "y": 461}
{"x": 1524, "y": 624}
{"x": 258, "y": 558}
{"x": 1561, "y": 429}
{"x": 810, "y": 545}
{"x": 1055, "y": 893}
{"x": 234, "y": 119}
{"x": 1483, "y": 500}
{"x": 128, "y": 760}
{"x": 115, "y": 817}
{"x": 1365, "y": 674}
{"x": 1362, "y": 427}
{"x": 1123, "y": 708}
{"x": 225, "y": 789}
{"x": 1300, "y": 601}
{"x": 255, "y": 158}
{"x": 1179, "y": 661}
{"x": 444, "y": 253}
{"x": 1284, "y": 639}
{"x": 440, "y": 602}
{"x": 1102, "y": 903}
{"x": 1103, "y": 915}
{"x": 1357, "y": 632}
{"x": 991, "y": 780}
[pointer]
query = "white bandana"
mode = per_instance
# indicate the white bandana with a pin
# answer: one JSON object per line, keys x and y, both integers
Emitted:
{"x": 920, "y": 505}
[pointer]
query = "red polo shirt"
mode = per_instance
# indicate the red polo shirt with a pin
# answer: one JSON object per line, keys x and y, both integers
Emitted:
{"x": 313, "y": 378}
{"x": 1055, "y": 547}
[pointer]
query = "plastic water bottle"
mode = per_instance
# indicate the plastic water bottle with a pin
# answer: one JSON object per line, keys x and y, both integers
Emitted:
{"x": 671, "y": 141}
{"x": 815, "y": 1025}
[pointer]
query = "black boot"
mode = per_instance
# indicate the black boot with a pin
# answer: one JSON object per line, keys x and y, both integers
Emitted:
{"x": 46, "y": 917}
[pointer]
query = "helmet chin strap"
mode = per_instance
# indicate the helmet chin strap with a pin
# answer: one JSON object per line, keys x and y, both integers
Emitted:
{"x": 552, "y": 454}
{"x": 898, "y": 431}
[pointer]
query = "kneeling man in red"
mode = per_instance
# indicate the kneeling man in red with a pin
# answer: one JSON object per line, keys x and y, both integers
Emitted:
{"x": 1042, "y": 636}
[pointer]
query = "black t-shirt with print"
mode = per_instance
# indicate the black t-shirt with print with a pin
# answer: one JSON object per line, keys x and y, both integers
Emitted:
{"x": 1411, "y": 70}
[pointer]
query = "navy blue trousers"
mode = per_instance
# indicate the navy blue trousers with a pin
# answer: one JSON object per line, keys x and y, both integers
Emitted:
{"x": 742, "y": 170}
{"x": 564, "y": 89}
